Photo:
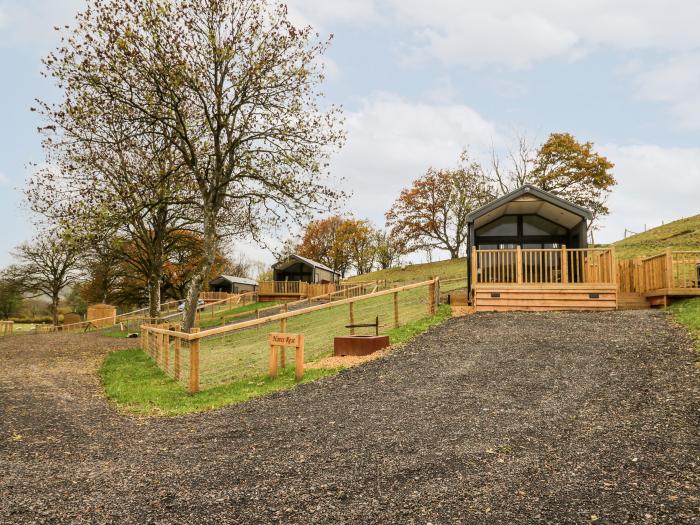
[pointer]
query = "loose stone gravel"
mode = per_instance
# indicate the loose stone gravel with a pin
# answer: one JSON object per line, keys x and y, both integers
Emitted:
{"x": 490, "y": 418}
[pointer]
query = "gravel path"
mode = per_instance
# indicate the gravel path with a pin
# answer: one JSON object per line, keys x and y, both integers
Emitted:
{"x": 491, "y": 418}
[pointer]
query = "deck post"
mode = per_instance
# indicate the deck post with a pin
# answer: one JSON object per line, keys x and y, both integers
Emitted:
{"x": 614, "y": 269}
{"x": 194, "y": 363}
{"x": 669, "y": 268}
{"x": 518, "y": 265}
{"x": 564, "y": 265}
{"x": 474, "y": 267}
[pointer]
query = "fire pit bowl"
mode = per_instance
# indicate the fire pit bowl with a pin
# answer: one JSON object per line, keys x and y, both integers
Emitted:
{"x": 359, "y": 344}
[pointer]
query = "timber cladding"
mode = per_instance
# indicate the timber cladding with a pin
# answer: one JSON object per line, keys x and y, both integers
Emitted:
{"x": 501, "y": 298}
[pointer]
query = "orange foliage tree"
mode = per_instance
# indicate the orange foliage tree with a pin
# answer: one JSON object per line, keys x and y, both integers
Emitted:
{"x": 432, "y": 213}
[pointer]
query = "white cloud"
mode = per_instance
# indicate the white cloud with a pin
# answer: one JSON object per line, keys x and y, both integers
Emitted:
{"x": 675, "y": 82}
{"x": 4, "y": 179}
{"x": 655, "y": 185}
{"x": 391, "y": 141}
{"x": 31, "y": 22}
{"x": 518, "y": 34}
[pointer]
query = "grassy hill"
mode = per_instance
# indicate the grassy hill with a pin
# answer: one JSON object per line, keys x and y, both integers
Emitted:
{"x": 449, "y": 269}
{"x": 683, "y": 234}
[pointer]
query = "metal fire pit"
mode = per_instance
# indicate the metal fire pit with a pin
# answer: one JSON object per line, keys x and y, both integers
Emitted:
{"x": 359, "y": 344}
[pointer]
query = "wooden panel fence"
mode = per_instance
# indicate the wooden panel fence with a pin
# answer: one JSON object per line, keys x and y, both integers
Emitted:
{"x": 202, "y": 359}
{"x": 7, "y": 327}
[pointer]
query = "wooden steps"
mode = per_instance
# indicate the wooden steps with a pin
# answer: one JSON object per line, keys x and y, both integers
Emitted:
{"x": 631, "y": 301}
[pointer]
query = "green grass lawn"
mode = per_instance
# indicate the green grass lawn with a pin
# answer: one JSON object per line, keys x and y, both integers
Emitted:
{"x": 449, "y": 269}
{"x": 135, "y": 383}
{"x": 687, "y": 313}
{"x": 218, "y": 318}
{"x": 680, "y": 235}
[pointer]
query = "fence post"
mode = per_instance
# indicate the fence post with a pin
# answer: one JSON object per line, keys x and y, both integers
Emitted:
{"x": 166, "y": 350}
{"x": 176, "y": 364}
{"x": 299, "y": 359}
{"x": 396, "y": 309}
{"x": 273, "y": 361}
{"x": 431, "y": 298}
{"x": 352, "y": 317}
{"x": 614, "y": 268}
{"x": 518, "y": 264}
{"x": 283, "y": 353}
{"x": 669, "y": 268}
{"x": 194, "y": 363}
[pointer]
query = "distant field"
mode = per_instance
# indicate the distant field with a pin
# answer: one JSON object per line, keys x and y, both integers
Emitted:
{"x": 449, "y": 269}
{"x": 683, "y": 234}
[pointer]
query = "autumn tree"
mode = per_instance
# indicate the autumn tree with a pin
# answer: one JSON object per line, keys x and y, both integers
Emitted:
{"x": 324, "y": 241}
{"x": 46, "y": 267}
{"x": 388, "y": 249}
{"x": 359, "y": 236}
{"x": 233, "y": 87}
{"x": 575, "y": 172}
{"x": 561, "y": 165}
{"x": 432, "y": 213}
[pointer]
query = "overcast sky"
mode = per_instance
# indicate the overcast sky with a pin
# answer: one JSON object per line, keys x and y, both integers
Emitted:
{"x": 420, "y": 80}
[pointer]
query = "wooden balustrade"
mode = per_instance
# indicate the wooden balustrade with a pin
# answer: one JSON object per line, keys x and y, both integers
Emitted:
{"x": 667, "y": 271}
{"x": 544, "y": 266}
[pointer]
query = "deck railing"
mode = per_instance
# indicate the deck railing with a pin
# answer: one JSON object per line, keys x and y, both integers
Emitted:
{"x": 544, "y": 266}
{"x": 300, "y": 288}
{"x": 669, "y": 270}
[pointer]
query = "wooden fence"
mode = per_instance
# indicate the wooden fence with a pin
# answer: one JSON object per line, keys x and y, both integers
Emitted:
{"x": 7, "y": 327}
{"x": 222, "y": 351}
{"x": 671, "y": 271}
{"x": 544, "y": 266}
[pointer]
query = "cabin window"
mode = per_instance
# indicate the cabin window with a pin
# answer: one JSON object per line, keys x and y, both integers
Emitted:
{"x": 505, "y": 226}
{"x": 538, "y": 226}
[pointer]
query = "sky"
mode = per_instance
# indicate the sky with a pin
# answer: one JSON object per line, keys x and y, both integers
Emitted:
{"x": 419, "y": 81}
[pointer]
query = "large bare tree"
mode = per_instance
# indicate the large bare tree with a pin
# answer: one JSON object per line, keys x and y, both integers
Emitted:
{"x": 234, "y": 87}
{"x": 46, "y": 266}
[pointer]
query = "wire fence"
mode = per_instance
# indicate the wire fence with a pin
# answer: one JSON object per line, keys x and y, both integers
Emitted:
{"x": 205, "y": 359}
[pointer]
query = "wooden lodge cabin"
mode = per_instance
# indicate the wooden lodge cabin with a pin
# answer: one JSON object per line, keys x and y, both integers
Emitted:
{"x": 528, "y": 250}
{"x": 297, "y": 277}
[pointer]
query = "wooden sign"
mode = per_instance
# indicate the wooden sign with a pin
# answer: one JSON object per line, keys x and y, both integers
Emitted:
{"x": 279, "y": 339}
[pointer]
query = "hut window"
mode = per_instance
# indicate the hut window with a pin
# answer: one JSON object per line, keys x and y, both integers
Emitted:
{"x": 502, "y": 227}
{"x": 536, "y": 225}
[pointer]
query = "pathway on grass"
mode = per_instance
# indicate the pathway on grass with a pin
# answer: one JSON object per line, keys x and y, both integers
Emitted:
{"x": 492, "y": 418}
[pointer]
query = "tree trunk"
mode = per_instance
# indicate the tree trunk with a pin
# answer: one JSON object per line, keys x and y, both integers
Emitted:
{"x": 210, "y": 246}
{"x": 54, "y": 309}
{"x": 154, "y": 297}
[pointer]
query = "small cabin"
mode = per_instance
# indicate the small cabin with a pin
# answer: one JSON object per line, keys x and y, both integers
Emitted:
{"x": 298, "y": 268}
{"x": 528, "y": 250}
{"x": 232, "y": 284}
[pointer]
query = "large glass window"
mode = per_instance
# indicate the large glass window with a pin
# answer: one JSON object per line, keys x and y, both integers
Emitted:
{"x": 505, "y": 226}
{"x": 536, "y": 225}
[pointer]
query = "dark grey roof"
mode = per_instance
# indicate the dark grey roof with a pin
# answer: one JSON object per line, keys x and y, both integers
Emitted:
{"x": 537, "y": 192}
{"x": 235, "y": 279}
{"x": 309, "y": 262}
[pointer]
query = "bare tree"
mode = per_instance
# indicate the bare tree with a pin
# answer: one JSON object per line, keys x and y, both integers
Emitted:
{"x": 234, "y": 86}
{"x": 46, "y": 266}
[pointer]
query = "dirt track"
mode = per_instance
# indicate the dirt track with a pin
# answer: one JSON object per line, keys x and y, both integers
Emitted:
{"x": 507, "y": 418}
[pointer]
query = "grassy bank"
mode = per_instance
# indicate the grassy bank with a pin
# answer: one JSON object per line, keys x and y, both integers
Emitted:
{"x": 135, "y": 383}
{"x": 687, "y": 313}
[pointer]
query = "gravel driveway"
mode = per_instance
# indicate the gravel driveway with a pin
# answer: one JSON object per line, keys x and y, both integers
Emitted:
{"x": 491, "y": 418}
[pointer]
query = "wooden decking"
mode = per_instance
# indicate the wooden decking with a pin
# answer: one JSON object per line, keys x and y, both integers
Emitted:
{"x": 579, "y": 279}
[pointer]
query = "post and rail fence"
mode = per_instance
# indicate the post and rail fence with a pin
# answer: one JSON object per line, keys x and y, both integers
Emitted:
{"x": 202, "y": 359}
